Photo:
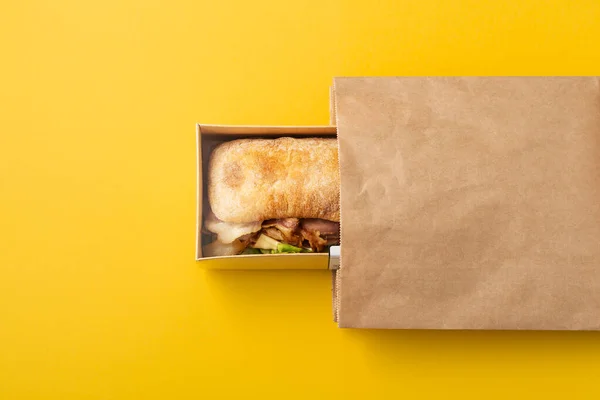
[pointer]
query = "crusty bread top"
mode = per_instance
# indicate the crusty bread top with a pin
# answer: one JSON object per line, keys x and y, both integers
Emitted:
{"x": 259, "y": 179}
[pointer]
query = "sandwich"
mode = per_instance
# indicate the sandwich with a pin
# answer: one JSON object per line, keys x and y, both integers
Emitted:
{"x": 270, "y": 196}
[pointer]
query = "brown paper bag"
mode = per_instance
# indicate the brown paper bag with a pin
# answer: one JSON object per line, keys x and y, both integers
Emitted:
{"x": 469, "y": 203}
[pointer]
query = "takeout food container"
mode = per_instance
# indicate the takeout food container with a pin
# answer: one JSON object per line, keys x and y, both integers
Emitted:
{"x": 466, "y": 202}
{"x": 208, "y": 137}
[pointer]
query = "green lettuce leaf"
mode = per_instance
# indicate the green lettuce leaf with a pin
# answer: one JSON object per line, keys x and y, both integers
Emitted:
{"x": 250, "y": 250}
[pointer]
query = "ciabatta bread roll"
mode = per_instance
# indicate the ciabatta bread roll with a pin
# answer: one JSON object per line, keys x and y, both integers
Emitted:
{"x": 253, "y": 180}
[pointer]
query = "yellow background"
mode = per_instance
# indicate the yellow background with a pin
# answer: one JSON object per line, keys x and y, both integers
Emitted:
{"x": 100, "y": 297}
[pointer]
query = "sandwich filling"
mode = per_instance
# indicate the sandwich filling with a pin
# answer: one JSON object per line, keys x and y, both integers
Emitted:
{"x": 273, "y": 236}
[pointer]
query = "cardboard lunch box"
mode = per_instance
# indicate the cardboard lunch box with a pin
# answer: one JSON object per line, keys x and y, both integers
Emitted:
{"x": 466, "y": 202}
{"x": 208, "y": 137}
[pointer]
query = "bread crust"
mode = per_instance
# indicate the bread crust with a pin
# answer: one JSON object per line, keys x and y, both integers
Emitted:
{"x": 259, "y": 179}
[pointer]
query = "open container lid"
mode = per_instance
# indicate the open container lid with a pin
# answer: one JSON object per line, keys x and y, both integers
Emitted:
{"x": 469, "y": 203}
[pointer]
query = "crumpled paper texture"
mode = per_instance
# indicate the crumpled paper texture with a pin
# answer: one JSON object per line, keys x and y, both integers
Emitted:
{"x": 469, "y": 202}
